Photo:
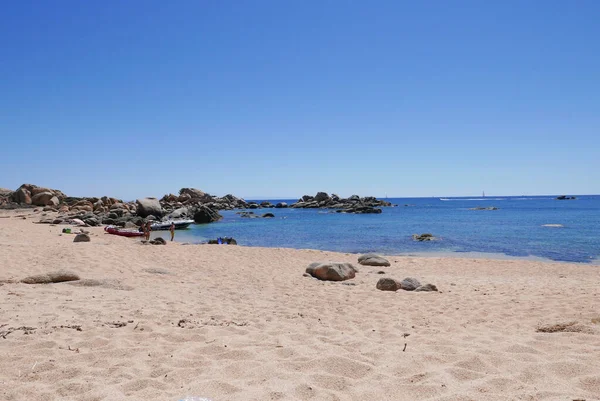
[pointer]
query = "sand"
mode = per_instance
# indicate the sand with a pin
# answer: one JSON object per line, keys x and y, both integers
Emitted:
{"x": 240, "y": 323}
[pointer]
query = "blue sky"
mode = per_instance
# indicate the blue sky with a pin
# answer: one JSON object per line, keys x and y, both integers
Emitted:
{"x": 271, "y": 98}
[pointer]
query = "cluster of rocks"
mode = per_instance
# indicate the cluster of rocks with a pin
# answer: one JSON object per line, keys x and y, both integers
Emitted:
{"x": 190, "y": 203}
{"x": 353, "y": 204}
{"x": 252, "y": 215}
{"x": 92, "y": 211}
{"x": 334, "y": 271}
{"x": 31, "y": 195}
{"x": 408, "y": 284}
{"x": 565, "y": 197}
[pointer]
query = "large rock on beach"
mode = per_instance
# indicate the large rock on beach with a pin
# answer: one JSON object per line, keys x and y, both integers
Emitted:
{"x": 423, "y": 237}
{"x": 388, "y": 284}
{"x": 371, "y": 259}
{"x": 410, "y": 284}
{"x": 331, "y": 271}
{"x": 52, "y": 277}
{"x": 149, "y": 206}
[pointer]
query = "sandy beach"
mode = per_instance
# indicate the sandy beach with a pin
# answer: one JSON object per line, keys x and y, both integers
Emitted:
{"x": 240, "y": 323}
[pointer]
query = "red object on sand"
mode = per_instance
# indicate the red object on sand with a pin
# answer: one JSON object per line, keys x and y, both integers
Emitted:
{"x": 123, "y": 233}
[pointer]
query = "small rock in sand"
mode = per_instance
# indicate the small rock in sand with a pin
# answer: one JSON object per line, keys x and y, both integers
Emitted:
{"x": 410, "y": 284}
{"x": 371, "y": 259}
{"x": 388, "y": 284}
{"x": 426, "y": 287}
{"x": 82, "y": 238}
{"x": 52, "y": 277}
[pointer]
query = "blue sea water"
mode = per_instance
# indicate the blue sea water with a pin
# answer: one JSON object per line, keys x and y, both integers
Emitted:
{"x": 516, "y": 229}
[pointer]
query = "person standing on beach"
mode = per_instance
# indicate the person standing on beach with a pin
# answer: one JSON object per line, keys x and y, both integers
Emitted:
{"x": 148, "y": 229}
{"x": 172, "y": 230}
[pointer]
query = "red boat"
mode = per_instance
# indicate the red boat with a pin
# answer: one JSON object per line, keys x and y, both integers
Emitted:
{"x": 123, "y": 233}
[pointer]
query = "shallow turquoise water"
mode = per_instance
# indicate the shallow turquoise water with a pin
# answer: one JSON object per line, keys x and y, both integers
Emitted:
{"x": 516, "y": 229}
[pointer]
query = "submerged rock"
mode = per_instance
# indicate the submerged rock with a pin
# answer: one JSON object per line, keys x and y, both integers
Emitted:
{"x": 224, "y": 241}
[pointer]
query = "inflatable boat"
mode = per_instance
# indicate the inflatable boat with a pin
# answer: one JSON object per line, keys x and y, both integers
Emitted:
{"x": 123, "y": 233}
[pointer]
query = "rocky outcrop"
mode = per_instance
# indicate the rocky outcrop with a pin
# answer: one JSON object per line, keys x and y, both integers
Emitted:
{"x": 565, "y": 197}
{"x": 353, "y": 204}
{"x": 371, "y": 259}
{"x": 29, "y": 194}
{"x": 331, "y": 271}
{"x": 281, "y": 205}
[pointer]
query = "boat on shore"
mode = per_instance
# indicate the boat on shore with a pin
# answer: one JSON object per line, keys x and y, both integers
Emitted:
{"x": 123, "y": 232}
{"x": 165, "y": 225}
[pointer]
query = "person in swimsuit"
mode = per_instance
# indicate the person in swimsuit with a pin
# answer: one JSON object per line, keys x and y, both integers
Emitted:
{"x": 172, "y": 230}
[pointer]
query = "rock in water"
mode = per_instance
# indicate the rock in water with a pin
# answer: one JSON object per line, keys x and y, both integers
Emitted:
{"x": 371, "y": 259}
{"x": 423, "y": 237}
{"x": 82, "y": 238}
{"x": 149, "y": 206}
{"x": 388, "y": 284}
{"x": 410, "y": 284}
{"x": 205, "y": 214}
{"x": 52, "y": 277}
{"x": 331, "y": 271}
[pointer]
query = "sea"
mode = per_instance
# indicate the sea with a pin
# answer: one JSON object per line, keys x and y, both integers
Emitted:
{"x": 524, "y": 227}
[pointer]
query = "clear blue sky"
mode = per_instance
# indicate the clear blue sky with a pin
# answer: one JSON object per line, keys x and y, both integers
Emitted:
{"x": 272, "y": 98}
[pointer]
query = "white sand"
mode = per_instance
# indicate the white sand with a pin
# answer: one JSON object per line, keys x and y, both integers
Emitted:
{"x": 237, "y": 323}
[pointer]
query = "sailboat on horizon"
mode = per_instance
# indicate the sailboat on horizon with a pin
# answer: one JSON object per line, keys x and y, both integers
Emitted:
{"x": 483, "y": 194}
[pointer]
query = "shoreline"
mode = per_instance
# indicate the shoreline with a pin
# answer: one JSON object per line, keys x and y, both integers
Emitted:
{"x": 236, "y": 323}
